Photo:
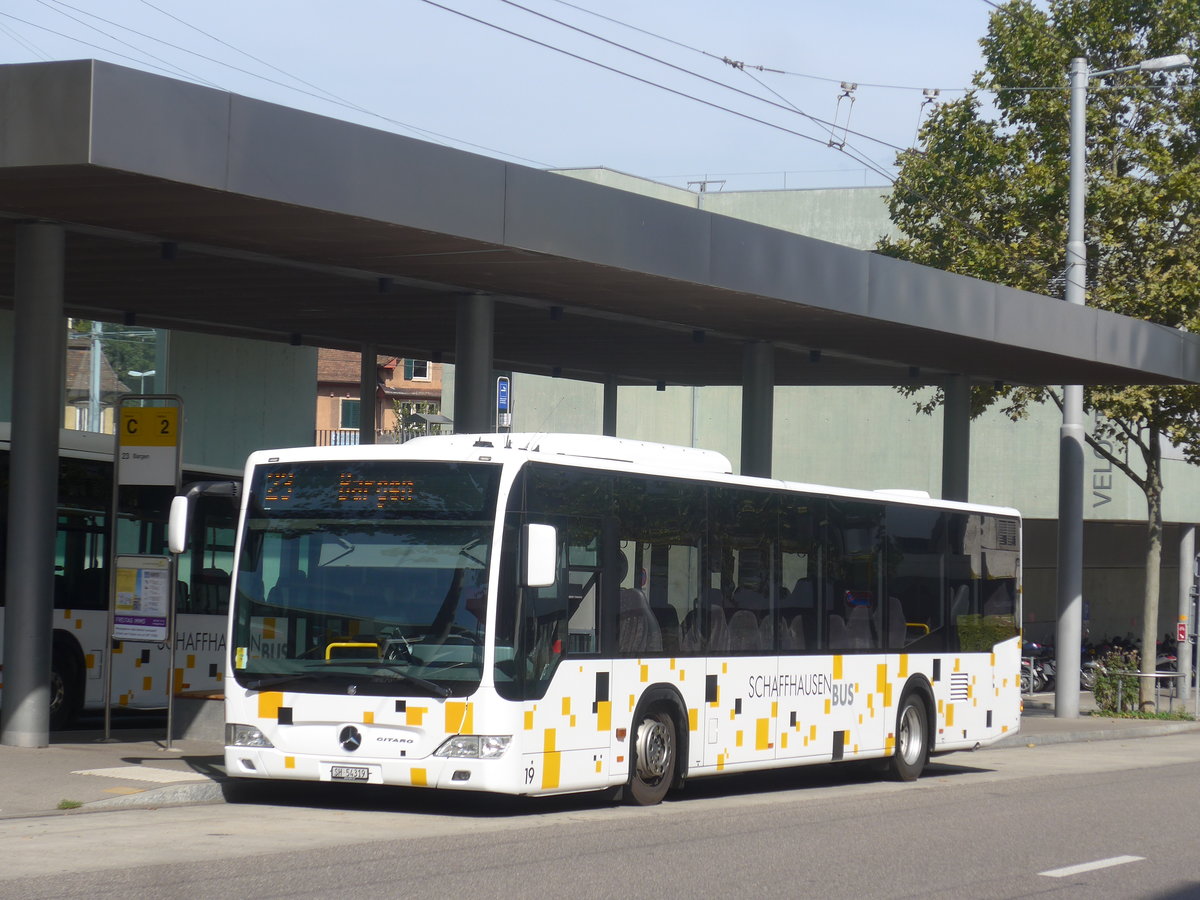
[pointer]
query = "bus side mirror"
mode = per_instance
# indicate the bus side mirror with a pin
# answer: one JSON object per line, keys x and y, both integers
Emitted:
{"x": 177, "y": 525}
{"x": 540, "y": 555}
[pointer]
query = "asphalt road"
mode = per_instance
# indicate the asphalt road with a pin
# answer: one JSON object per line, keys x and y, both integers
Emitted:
{"x": 997, "y": 823}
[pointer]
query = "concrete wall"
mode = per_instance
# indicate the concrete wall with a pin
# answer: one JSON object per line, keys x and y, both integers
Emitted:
{"x": 852, "y": 217}
{"x": 541, "y": 404}
{"x": 241, "y": 395}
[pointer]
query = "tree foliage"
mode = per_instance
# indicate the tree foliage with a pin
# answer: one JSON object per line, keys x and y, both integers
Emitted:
{"x": 127, "y": 348}
{"x": 985, "y": 194}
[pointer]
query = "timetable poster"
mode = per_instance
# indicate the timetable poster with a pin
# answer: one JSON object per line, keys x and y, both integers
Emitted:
{"x": 142, "y": 597}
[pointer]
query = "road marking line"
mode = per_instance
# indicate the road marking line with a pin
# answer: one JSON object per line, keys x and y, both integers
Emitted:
{"x": 1091, "y": 866}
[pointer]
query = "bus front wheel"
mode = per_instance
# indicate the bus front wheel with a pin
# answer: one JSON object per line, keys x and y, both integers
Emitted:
{"x": 912, "y": 739}
{"x": 655, "y": 750}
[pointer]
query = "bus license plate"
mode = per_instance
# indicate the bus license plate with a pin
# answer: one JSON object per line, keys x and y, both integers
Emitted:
{"x": 350, "y": 773}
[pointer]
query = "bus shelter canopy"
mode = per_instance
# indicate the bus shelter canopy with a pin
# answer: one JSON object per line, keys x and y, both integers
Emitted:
{"x": 191, "y": 208}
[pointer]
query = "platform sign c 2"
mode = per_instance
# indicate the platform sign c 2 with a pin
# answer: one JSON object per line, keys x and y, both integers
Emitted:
{"x": 143, "y": 596}
{"x": 148, "y": 445}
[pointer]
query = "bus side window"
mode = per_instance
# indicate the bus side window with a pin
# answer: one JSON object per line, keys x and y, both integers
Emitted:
{"x": 917, "y": 586}
{"x": 853, "y": 575}
{"x": 797, "y": 626}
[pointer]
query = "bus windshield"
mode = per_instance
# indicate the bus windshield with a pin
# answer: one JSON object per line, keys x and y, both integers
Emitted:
{"x": 366, "y": 577}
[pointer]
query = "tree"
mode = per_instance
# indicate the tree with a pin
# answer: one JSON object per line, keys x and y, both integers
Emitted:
{"x": 985, "y": 194}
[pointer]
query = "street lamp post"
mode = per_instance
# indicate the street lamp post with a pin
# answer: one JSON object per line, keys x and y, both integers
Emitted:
{"x": 1069, "y": 633}
{"x": 143, "y": 376}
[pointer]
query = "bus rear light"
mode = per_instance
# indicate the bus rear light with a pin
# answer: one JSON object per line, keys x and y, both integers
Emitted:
{"x": 245, "y": 736}
{"x": 474, "y": 746}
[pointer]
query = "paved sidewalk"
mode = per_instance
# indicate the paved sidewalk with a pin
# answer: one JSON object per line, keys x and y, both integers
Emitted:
{"x": 79, "y": 771}
{"x": 137, "y": 771}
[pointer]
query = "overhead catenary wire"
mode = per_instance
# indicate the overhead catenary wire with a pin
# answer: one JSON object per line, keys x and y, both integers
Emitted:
{"x": 241, "y": 52}
{"x": 79, "y": 40}
{"x": 831, "y": 128}
{"x": 27, "y": 45}
{"x": 788, "y": 107}
{"x": 59, "y": 7}
{"x": 966, "y": 223}
{"x": 637, "y": 78}
{"x": 758, "y": 67}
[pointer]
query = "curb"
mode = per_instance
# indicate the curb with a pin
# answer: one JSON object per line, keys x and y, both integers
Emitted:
{"x": 1156, "y": 729}
{"x": 168, "y": 795}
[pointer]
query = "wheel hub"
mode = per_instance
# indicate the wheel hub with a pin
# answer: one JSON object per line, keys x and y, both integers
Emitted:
{"x": 908, "y": 740}
{"x": 653, "y": 750}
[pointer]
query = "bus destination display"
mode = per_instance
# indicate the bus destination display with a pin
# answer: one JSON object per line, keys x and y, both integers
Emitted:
{"x": 319, "y": 487}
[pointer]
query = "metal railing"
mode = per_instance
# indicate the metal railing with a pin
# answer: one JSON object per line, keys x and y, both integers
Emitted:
{"x": 1174, "y": 676}
{"x": 348, "y": 437}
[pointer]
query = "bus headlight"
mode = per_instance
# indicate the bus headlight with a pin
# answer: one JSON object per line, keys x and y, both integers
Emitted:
{"x": 475, "y": 746}
{"x": 245, "y": 736}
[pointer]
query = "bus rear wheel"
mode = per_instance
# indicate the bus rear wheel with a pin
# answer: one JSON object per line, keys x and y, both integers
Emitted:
{"x": 912, "y": 739}
{"x": 655, "y": 751}
{"x": 65, "y": 699}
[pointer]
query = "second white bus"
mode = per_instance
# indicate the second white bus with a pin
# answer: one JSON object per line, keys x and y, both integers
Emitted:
{"x": 85, "y": 532}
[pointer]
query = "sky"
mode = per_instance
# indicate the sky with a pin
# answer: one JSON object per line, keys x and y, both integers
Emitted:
{"x": 640, "y": 87}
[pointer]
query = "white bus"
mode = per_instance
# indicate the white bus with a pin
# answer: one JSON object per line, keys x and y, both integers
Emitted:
{"x": 81, "y": 584}
{"x": 539, "y": 614}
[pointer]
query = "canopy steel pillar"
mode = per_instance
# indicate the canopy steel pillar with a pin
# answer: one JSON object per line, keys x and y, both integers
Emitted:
{"x": 473, "y": 411}
{"x": 39, "y": 348}
{"x": 368, "y": 390}
{"x": 956, "y": 439}
{"x": 609, "y": 426}
{"x": 758, "y": 407}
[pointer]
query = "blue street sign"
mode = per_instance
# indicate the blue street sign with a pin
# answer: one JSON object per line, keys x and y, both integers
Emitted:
{"x": 502, "y": 394}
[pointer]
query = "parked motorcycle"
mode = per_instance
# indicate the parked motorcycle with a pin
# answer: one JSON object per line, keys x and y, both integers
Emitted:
{"x": 1033, "y": 675}
{"x": 1088, "y": 674}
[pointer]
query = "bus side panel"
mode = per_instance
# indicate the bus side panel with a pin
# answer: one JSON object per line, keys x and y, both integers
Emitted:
{"x": 632, "y": 678}
{"x": 741, "y": 710}
{"x": 139, "y": 676}
{"x": 978, "y": 699}
{"x": 565, "y": 736}
{"x": 797, "y": 708}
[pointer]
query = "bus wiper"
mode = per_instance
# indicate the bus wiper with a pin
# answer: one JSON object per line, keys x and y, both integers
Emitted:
{"x": 347, "y": 549}
{"x": 401, "y": 675}
{"x": 269, "y": 681}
